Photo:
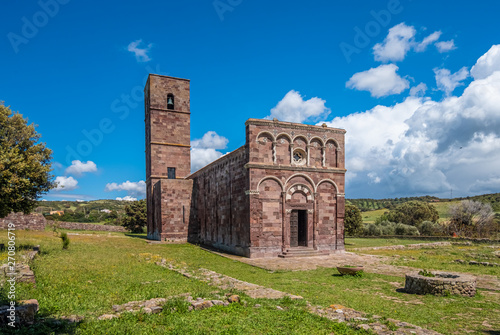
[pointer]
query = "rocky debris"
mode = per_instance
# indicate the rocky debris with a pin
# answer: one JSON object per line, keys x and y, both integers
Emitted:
{"x": 374, "y": 323}
{"x": 409, "y": 246}
{"x": 483, "y": 263}
{"x": 21, "y": 271}
{"x": 21, "y": 315}
{"x": 233, "y": 298}
{"x": 107, "y": 317}
{"x": 225, "y": 282}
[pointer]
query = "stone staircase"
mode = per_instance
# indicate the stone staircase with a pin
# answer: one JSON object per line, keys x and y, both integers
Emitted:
{"x": 299, "y": 252}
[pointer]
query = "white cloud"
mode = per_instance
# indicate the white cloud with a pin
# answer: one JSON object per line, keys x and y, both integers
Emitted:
{"x": 210, "y": 141}
{"x": 78, "y": 167}
{"x": 380, "y": 81}
{"x": 204, "y": 150}
{"x": 420, "y": 47}
{"x": 203, "y": 157}
{"x": 294, "y": 108}
{"x": 132, "y": 188}
{"x": 418, "y": 90}
{"x": 126, "y": 198}
{"x": 80, "y": 200}
{"x": 421, "y": 146}
{"x": 397, "y": 43}
{"x": 445, "y": 46}
{"x": 447, "y": 82}
{"x": 141, "y": 54}
{"x": 66, "y": 183}
{"x": 487, "y": 63}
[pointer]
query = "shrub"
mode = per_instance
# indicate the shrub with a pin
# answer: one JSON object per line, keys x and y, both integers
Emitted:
{"x": 353, "y": 222}
{"x": 428, "y": 228}
{"x": 65, "y": 240}
{"x": 387, "y": 228}
{"x": 403, "y": 229}
{"x": 413, "y": 213}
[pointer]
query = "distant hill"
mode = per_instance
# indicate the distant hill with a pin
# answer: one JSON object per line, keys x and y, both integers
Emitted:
{"x": 374, "y": 204}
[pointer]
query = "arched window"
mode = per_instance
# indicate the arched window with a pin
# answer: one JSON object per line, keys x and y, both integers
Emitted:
{"x": 170, "y": 101}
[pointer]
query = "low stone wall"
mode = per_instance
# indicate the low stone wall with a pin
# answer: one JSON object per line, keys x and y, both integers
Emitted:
{"x": 443, "y": 283}
{"x": 432, "y": 238}
{"x": 85, "y": 226}
{"x": 22, "y": 221}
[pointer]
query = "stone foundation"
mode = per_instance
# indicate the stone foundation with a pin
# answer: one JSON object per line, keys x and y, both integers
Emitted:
{"x": 443, "y": 283}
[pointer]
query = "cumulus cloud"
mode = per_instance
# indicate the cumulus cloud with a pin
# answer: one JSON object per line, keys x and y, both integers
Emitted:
{"x": 126, "y": 198}
{"x": 204, "y": 150}
{"x": 132, "y": 188}
{"x": 420, "y": 146}
{"x": 447, "y": 81}
{"x": 445, "y": 46}
{"x": 397, "y": 43}
{"x": 420, "y": 47}
{"x": 78, "y": 168}
{"x": 210, "y": 141}
{"x": 294, "y": 108}
{"x": 418, "y": 90}
{"x": 380, "y": 81}
{"x": 487, "y": 63}
{"x": 141, "y": 54}
{"x": 66, "y": 183}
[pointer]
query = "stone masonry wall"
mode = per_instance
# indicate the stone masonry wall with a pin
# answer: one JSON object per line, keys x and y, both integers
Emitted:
{"x": 220, "y": 207}
{"x": 86, "y": 226}
{"x": 32, "y": 221}
{"x": 278, "y": 185}
{"x": 175, "y": 205}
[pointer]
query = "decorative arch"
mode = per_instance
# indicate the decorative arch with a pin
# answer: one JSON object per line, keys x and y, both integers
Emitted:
{"x": 335, "y": 143}
{"x": 302, "y": 188}
{"x": 317, "y": 138}
{"x": 284, "y": 135}
{"x": 273, "y": 178}
{"x": 326, "y": 181}
{"x": 265, "y": 133}
{"x": 304, "y": 176}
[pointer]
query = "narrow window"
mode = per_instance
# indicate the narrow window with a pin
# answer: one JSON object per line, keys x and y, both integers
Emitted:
{"x": 171, "y": 173}
{"x": 170, "y": 101}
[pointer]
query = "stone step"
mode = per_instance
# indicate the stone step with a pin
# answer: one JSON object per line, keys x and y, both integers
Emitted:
{"x": 299, "y": 252}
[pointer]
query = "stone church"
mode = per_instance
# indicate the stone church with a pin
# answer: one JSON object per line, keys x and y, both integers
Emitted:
{"x": 280, "y": 194}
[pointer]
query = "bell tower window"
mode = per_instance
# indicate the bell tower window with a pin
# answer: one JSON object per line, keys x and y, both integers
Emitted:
{"x": 170, "y": 101}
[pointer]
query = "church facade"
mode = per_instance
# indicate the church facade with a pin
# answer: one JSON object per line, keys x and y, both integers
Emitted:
{"x": 280, "y": 194}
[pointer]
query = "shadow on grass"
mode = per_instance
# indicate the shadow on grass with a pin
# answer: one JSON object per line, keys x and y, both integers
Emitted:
{"x": 492, "y": 332}
{"x": 42, "y": 327}
{"x": 141, "y": 236}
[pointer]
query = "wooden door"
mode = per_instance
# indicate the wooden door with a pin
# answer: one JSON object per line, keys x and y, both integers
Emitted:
{"x": 294, "y": 228}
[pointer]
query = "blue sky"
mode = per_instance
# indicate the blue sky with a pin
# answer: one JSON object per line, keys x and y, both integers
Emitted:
{"x": 414, "y": 83}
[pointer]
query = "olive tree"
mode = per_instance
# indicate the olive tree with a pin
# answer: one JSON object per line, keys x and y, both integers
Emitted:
{"x": 471, "y": 218}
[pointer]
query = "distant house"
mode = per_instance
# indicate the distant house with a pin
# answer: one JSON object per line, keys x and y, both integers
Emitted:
{"x": 57, "y": 212}
{"x": 107, "y": 211}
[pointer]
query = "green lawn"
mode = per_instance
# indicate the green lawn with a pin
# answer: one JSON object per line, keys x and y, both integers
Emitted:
{"x": 101, "y": 270}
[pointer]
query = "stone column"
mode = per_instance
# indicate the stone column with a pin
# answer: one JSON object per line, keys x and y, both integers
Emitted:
{"x": 323, "y": 155}
{"x": 274, "y": 152}
{"x": 283, "y": 218}
{"x": 291, "y": 153}
{"x": 315, "y": 222}
{"x": 308, "y": 150}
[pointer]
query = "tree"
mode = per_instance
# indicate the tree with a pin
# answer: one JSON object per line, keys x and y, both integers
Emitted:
{"x": 413, "y": 213}
{"x": 471, "y": 218}
{"x": 24, "y": 164}
{"x": 135, "y": 218}
{"x": 353, "y": 222}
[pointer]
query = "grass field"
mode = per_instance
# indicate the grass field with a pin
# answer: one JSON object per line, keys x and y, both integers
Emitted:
{"x": 100, "y": 270}
{"x": 353, "y": 242}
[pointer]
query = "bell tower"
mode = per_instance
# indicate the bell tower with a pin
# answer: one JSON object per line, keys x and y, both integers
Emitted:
{"x": 168, "y": 155}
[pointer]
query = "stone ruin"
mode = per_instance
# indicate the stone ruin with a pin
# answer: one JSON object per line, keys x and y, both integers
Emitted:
{"x": 443, "y": 283}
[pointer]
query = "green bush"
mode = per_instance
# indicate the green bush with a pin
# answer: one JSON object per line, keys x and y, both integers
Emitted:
{"x": 403, "y": 229}
{"x": 428, "y": 228}
{"x": 65, "y": 240}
